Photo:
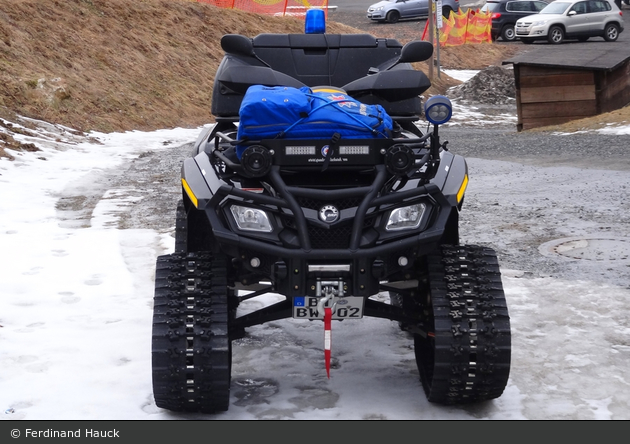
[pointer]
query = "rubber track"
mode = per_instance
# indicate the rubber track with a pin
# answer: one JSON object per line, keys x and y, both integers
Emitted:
{"x": 468, "y": 360}
{"x": 191, "y": 351}
{"x": 181, "y": 228}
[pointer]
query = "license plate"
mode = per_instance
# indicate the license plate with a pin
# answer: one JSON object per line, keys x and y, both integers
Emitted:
{"x": 350, "y": 307}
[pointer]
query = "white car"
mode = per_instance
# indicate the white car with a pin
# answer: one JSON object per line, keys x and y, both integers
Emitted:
{"x": 572, "y": 19}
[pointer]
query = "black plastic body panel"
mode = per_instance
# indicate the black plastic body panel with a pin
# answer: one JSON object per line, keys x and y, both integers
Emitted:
{"x": 321, "y": 60}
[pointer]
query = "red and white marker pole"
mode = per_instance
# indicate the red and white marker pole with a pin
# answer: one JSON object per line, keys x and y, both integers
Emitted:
{"x": 327, "y": 337}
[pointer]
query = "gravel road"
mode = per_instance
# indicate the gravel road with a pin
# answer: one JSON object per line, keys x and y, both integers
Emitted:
{"x": 551, "y": 205}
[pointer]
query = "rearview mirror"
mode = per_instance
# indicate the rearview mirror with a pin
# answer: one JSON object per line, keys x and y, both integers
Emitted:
{"x": 237, "y": 44}
{"x": 416, "y": 51}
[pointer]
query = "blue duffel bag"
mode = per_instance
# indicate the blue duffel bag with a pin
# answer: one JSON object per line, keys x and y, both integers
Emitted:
{"x": 274, "y": 112}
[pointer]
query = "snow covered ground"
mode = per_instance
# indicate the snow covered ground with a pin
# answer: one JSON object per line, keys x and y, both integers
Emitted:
{"x": 502, "y": 113}
{"x": 76, "y": 313}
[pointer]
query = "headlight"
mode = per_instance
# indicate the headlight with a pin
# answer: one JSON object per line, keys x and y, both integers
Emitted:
{"x": 251, "y": 219}
{"x": 405, "y": 218}
{"x": 438, "y": 110}
{"x": 380, "y": 8}
{"x": 538, "y": 23}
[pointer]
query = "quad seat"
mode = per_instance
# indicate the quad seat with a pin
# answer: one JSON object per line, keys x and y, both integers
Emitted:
{"x": 325, "y": 59}
{"x": 304, "y": 60}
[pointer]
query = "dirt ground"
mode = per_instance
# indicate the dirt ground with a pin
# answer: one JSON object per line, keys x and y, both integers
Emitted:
{"x": 115, "y": 65}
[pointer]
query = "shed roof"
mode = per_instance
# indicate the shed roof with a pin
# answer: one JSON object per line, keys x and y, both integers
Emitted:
{"x": 604, "y": 56}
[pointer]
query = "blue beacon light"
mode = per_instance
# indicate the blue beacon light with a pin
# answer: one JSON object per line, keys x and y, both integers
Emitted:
{"x": 315, "y": 22}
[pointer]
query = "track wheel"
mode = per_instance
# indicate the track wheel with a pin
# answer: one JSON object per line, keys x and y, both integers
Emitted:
{"x": 465, "y": 357}
{"x": 191, "y": 349}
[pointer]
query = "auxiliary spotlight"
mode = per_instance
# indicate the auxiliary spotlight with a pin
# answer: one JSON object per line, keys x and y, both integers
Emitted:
{"x": 438, "y": 110}
{"x": 399, "y": 159}
{"x": 256, "y": 160}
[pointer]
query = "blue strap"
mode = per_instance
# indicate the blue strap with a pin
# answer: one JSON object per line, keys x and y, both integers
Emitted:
{"x": 327, "y": 103}
{"x": 332, "y": 102}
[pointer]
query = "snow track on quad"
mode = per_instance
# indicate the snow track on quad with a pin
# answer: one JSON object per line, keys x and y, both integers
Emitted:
{"x": 192, "y": 352}
{"x": 463, "y": 358}
{"x": 466, "y": 356}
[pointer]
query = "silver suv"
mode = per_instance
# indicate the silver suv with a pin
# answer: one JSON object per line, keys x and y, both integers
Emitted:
{"x": 393, "y": 10}
{"x": 572, "y": 19}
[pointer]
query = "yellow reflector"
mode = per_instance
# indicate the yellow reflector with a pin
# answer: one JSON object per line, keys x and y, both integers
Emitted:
{"x": 190, "y": 193}
{"x": 460, "y": 193}
{"x": 329, "y": 89}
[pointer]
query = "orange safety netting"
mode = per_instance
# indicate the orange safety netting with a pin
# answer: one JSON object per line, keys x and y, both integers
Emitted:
{"x": 296, "y": 8}
{"x": 479, "y": 26}
{"x": 464, "y": 27}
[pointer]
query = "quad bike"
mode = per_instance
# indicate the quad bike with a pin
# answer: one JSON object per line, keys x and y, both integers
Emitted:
{"x": 329, "y": 223}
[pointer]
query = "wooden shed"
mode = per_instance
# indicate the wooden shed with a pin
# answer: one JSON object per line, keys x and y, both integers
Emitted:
{"x": 557, "y": 84}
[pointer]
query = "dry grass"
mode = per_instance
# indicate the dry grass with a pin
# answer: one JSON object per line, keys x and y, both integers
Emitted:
{"x": 113, "y": 65}
{"x": 118, "y": 65}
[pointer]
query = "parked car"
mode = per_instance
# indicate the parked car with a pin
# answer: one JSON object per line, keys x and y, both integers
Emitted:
{"x": 505, "y": 13}
{"x": 572, "y": 19}
{"x": 393, "y": 10}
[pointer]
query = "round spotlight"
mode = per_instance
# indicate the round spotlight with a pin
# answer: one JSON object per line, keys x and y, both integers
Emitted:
{"x": 256, "y": 160}
{"x": 438, "y": 110}
{"x": 399, "y": 159}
